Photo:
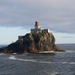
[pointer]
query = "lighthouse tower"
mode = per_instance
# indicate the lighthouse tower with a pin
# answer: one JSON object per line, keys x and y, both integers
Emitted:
{"x": 37, "y": 25}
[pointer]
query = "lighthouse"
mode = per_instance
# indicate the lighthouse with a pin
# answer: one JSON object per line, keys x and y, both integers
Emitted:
{"x": 37, "y": 25}
{"x": 37, "y": 29}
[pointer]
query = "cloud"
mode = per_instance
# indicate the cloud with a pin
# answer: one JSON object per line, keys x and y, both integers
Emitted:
{"x": 57, "y": 15}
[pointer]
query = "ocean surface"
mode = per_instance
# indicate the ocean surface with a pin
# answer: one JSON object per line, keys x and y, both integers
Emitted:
{"x": 59, "y": 63}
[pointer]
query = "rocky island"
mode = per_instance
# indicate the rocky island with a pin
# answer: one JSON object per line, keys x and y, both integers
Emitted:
{"x": 38, "y": 40}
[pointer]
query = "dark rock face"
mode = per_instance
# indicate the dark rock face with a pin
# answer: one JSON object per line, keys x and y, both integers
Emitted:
{"x": 32, "y": 43}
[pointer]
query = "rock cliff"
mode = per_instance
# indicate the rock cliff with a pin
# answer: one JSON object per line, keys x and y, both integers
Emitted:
{"x": 37, "y": 42}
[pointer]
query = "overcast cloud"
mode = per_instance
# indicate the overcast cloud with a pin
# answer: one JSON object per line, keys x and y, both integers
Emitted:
{"x": 57, "y": 15}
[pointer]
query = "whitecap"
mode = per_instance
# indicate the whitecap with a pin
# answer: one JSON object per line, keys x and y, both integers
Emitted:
{"x": 70, "y": 51}
{"x": 54, "y": 73}
{"x": 14, "y": 53}
{"x": 31, "y": 60}
{"x": 1, "y": 53}
{"x": 73, "y": 63}
{"x": 12, "y": 57}
{"x": 37, "y": 61}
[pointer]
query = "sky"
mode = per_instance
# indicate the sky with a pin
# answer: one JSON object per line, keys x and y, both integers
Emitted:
{"x": 17, "y": 17}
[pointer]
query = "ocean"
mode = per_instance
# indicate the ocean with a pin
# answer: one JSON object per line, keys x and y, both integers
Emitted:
{"x": 59, "y": 63}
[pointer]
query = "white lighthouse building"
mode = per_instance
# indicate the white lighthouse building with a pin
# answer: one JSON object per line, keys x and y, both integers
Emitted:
{"x": 37, "y": 29}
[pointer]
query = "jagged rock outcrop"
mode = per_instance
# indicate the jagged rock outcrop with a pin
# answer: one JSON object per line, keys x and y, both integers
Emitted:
{"x": 37, "y": 42}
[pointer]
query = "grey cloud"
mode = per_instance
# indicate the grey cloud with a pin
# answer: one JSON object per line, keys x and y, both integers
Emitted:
{"x": 57, "y": 15}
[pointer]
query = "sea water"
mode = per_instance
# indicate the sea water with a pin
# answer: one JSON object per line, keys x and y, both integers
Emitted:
{"x": 59, "y": 63}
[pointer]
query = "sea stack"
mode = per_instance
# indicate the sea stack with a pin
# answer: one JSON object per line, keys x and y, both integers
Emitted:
{"x": 38, "y": 40}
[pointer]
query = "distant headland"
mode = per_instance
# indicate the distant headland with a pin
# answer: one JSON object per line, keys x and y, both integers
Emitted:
{"x": 37, "y": 41}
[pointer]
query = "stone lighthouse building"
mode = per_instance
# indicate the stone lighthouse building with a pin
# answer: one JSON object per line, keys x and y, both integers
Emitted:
{"x": 37, "y": 29}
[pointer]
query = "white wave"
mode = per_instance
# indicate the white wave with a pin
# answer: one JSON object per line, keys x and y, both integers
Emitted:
{"x": 60, "y": 52}
{"x": 47, "y": 52}
{"x": 45, "y": 72}
{"x": 31, "y": 60}
{"x": 12, "y": 57}
{"x": 37, "y": 61}
{"x": 54, "y": 73}
{"x": 14, "y": 53}
{"x": 70, "y": 51}
{"x": 73, "y": 63}
{"x": 48, "y": 62}
{"x": 1, "y": 53}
